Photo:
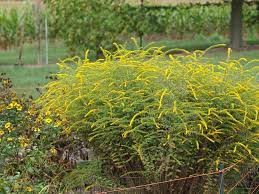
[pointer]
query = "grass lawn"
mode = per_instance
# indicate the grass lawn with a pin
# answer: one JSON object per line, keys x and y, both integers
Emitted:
{"x": 199, "y": 42}
{"x": 57, "y": 50}
{"x": 27, "y": 79}
{"x": 252, "y": 54}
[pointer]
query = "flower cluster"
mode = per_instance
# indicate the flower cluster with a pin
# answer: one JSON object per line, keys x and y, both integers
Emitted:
{"x": 21, "y": 121}
{"x": 27, "y": 139}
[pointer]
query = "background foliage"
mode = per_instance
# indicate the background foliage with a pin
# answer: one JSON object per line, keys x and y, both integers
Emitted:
{"x": 92, "y": 24}
{"x": 100, "y": 23}
{"x": 103, "y": 24}
{"x": 11, "y": 22}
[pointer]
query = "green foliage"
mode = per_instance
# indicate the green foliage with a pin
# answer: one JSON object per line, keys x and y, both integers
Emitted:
{"x": 92, "y": 24}
{"x": 106, "y": 22}
{"x": 11, "y": 22}
{"x": 158, "y": 117}
{"x": 87, "y": 175}
{"x": 8, "y": 28}
{"x": 187, "y": 21}
{"x": 181, "y": 20}
{"x": 96, "y": 24}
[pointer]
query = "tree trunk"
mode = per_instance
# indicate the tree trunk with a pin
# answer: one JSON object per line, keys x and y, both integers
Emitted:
{"x": 236, "y": 40}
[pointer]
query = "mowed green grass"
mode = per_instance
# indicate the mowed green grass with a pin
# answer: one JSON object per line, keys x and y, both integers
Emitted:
{"x": 56, "y": 50}
{"x": 252, "y": 54}
{"x": 27, "y": 78}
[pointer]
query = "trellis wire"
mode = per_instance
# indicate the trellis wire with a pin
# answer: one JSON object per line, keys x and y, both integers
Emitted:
{"x": 223, "y": 171}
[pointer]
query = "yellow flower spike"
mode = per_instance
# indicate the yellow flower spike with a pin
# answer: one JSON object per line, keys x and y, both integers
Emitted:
{"x": 161, "y": 98}
{"x": 8, "y": 125}
{"x": 174, "y": 107}
{"x": 229, "y": 53}
{"x": 48, "y": 120}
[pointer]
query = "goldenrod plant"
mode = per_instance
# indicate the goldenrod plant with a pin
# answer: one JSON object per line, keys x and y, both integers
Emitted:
{"x": 157, "y": 116}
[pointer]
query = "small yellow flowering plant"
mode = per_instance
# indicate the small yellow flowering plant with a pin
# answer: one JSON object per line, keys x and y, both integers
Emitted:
{"x": 28, "y": 143}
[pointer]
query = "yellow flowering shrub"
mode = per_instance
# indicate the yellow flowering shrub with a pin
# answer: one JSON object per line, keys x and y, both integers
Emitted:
{"x": 158, "y": 116}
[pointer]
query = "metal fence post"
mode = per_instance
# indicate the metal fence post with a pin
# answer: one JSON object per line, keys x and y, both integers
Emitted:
{"x": 46, "y": 41}
{"x": 141, "y": 35}
{"x": 221, "y": 179}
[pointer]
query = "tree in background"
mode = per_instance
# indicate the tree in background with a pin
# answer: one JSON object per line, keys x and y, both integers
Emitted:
{"x": 236, "y": 24}
{"x": 93, "y": 24}
{"x": 87, "y": 24}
